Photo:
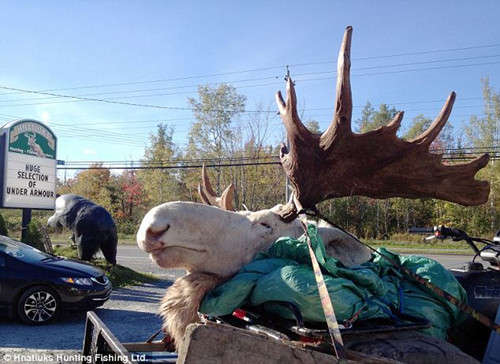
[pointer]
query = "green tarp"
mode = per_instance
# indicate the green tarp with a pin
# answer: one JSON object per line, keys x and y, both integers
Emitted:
{"x": 284, "y": 273}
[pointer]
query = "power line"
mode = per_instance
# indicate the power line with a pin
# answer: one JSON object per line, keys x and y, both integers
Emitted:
{"x": 245, "y": 80}
{"x": 174, "y": 166}
{"x": 157, "y": 80}
{"x": 220, "y": 165}
{"x": 113, "y": 100}
{"x": 93, "y": 99}
{"x": 154, "y": 89}
{"x": 169, "y": 120}
{"x": 403, "y": 64}
{"x": 403, "y": 71}
{"x": 259, "y": 69}
{"x": 448, "y": 153}
{"x": 409, "y": 53}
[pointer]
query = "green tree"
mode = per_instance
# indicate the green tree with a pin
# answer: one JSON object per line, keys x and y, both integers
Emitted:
{"x": 366, "y": 116}
{"x": 160, "y": 185}
{"x": 34, "y": 236}
{"x": 215, "y": 110}
{"x": 3, "y": 227}
{"x": 482, "y": 132}
{"x": 96, "y": 184}
{"x": 420, "y": 124}
{"x": 213, "y": 134}
{"x": 372, "y": 119}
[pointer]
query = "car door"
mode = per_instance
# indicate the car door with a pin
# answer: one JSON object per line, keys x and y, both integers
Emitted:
{"x": 3, "y": 278}
{"x": 12, "y": 279}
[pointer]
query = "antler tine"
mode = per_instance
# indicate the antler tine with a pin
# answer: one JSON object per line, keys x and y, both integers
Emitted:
{"x": 395, "y": 123}
{"x": 341, "y": 123}
{"x": 208, "y": 196}
{"x": 226, "y": 199}
{"x": 428, "y": 136}
{"x": 204, "y": 198}
{"x": 288, "y": 112}
{"x": 206, "y": 188}
{"x": 472, "y": 167}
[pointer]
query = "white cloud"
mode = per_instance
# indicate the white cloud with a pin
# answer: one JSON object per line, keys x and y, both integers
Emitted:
{"x": 88, "y": 151}
{"x": 45, "y": 117}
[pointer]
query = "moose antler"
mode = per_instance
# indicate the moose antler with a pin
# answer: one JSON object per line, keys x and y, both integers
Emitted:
{"x": 376, "y": 164}
{"x": 208, "y": 196}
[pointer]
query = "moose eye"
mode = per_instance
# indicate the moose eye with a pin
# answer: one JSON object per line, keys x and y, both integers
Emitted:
{"x": 265, "y": 225}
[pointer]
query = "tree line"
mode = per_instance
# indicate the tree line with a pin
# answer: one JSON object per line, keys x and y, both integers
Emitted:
{"x": 219, "y": 133}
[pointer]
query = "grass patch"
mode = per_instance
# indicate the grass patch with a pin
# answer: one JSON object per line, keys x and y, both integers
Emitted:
{"x": 65, "y": 238}
{"x": 122, "y": 276}
{"x": 119, "y": 275}
{"x": 66, "y": 251}
{"x": 447, "y": 246}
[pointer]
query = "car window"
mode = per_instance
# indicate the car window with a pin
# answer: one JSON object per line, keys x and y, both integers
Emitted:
{"x": 21, "y": 251}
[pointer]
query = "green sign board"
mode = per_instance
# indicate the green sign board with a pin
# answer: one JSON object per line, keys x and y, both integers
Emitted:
{"x": 27, "y": 165}
{"x": 32, "y": 138}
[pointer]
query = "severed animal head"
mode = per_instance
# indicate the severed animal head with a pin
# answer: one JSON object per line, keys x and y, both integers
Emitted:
{"x": 202, "y": 238}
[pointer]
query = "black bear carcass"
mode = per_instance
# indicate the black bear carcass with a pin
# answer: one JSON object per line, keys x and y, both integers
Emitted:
{"x": 92, "y": 226}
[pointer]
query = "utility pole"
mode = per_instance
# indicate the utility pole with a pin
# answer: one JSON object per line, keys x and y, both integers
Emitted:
{"x": 24, "y": 223}
{"x": 65, "y": 175}
{"x": 492, "y": 179}
{"x": 287, "y": 180}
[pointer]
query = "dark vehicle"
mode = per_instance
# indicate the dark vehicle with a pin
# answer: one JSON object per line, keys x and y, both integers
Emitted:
{"x": 36, "y": 286}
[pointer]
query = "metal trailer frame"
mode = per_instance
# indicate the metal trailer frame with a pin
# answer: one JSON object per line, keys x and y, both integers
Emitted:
{"x": 101, "y": 346}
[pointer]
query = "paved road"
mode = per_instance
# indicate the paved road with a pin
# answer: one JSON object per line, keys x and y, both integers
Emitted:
{"x": 131, "y": 256}
{"x": 450, "y": 260}
{"x": 130, "y": 314}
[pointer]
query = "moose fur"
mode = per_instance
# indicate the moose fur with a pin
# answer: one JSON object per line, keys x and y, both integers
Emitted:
{"x": 92, "y": 226}
{"x": 179, "y": 306}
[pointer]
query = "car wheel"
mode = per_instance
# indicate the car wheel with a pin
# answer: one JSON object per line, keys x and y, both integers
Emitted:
{"x": 38, "y": 305}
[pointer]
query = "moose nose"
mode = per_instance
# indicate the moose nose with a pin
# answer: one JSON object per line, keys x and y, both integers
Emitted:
{"x": 150, "y": 233}
{"x": 153, "y": 234}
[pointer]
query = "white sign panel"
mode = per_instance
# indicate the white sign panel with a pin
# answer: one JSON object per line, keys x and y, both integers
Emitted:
{"x": 29, "y": 166}
{"x": 29, "y": 182}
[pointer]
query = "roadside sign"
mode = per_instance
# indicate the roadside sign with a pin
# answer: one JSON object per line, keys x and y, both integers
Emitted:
{"x": 28, "y": 154}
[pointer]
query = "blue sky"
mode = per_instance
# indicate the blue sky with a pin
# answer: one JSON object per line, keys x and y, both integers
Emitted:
{"x": 159, "y": 47}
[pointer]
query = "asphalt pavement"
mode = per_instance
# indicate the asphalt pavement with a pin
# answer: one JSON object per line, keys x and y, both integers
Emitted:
{"x": 133, "y": 257}
{"x": 130, "y": 313}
